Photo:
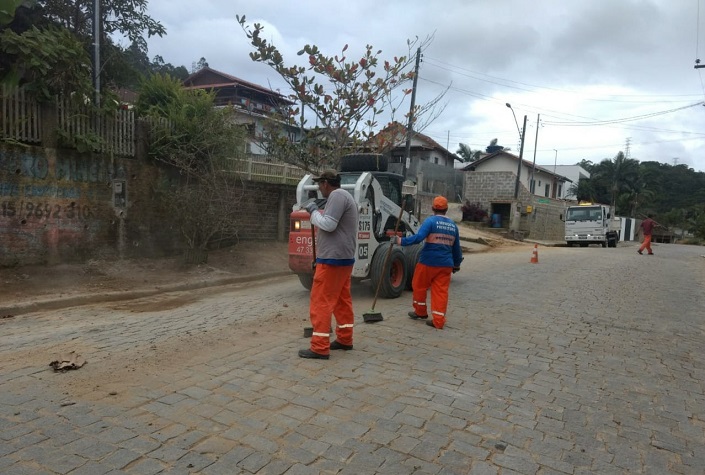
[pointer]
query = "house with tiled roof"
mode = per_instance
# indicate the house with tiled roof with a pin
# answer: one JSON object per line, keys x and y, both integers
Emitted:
{"x": 423, "y": 150}
{"x": 253, "y": 103}
{"x": 523, "y": 196}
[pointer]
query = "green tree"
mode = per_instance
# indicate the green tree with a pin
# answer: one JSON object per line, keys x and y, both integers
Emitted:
{"x": 346, "y": 96}
{"x": 200, "y": 64}
{"x": 127, "y": 18}
{"x": 583, "y": 190}
{"x": 158, "y": 66}
{"x": 48, "y": 62}
{"x": 612, "y": 177}
{"x": 203, "y": 144}
{"x": 466, "y": 154}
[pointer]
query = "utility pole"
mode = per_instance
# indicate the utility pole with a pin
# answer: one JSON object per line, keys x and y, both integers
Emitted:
{"x": 96, "y": 50}
{"x": 521, "y": 159}
{"x": 410, "y": 124}
{"x": 533, "y": 168}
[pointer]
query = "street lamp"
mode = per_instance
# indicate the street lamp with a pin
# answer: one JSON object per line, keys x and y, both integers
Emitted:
{"x": 515, "y": 119}
{"x": 521, "y": 149}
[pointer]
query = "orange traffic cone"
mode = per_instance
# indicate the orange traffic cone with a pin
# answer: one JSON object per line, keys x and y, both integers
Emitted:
{"x": 535, "y": 255}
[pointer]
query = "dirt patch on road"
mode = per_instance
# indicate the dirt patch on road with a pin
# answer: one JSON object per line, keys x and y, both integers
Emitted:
{"x": 30, "y": 284}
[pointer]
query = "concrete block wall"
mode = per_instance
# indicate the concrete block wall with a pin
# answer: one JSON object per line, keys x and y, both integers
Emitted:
{"x": 59, "y": 206}
{"x": 486, "y": 187}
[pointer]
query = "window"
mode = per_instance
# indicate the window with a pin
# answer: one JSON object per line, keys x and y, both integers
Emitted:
{"x": 547, "y": 190}
{"x": 435, "y": 160}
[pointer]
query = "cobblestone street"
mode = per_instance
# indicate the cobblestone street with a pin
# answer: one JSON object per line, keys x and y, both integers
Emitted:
{"x": 589, "y": 362}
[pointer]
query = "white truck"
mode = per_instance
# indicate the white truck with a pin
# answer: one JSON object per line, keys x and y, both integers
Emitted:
{"x": 378, "y": 194}
{"x": 590, "y": 223}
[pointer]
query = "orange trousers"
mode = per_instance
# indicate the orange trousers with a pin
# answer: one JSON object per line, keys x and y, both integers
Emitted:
{"x": 438, "y": 280}
{"x": 646, "y": 244}
{"x": 330, "y": 295}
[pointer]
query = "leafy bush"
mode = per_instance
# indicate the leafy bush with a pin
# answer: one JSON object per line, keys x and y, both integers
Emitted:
{"x": 474, "y": 212}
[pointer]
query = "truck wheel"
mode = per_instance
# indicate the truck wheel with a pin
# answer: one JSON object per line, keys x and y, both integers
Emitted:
{"x": 364, "y": 162}
{"x": 306, "y": 280}
{"x": 411, "y": 253}
{"x": 584, "y": 244}
{"x": 393, "y": 275}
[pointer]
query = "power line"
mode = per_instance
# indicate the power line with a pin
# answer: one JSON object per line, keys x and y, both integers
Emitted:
{"x": 626, "y": 119}
{"x": 561, "y": 115}
{"x": 456, "y": 68}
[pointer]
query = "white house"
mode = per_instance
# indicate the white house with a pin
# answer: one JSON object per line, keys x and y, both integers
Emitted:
{"x": 574, "y": 173}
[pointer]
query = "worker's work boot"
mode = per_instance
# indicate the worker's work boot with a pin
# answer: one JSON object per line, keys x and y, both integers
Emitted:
{"x": 413, "y": 316}
{"x": 336, "y": 345}
{"x": 312, "y": 354}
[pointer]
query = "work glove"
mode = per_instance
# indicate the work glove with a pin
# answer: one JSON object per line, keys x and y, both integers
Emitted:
{"x": 311, "y": 207}
{"x": 455, "y": 269}
{"x": 396, "y": 240}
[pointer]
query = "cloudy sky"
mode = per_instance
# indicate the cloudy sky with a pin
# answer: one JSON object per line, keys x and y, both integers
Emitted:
{"x": 604, "y": 75}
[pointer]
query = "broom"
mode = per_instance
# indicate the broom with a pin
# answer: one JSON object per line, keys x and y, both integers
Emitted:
{"x": 372, "y": 316}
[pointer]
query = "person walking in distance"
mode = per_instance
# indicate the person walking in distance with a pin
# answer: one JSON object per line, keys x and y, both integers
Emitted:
{"x": 335, "y": 256}
{"x": 441, "y": 255}
{"x": 647, "y": 227}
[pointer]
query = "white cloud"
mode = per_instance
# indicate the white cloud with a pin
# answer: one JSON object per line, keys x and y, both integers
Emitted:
{"x": 580, "y": 60}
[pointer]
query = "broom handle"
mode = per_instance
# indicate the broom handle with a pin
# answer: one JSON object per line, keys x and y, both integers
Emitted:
{"x": 389, "y": 254}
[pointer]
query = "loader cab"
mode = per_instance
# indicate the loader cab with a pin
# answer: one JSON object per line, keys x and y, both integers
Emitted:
{"x": 391, "y": 183}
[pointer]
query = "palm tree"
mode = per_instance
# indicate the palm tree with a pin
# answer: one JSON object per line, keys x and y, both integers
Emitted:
{"x": 466, "y": 154}
{"x": 615, "y": 176}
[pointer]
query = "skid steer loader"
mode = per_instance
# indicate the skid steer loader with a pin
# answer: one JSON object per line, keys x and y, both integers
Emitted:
{"x": 378, "y": 194}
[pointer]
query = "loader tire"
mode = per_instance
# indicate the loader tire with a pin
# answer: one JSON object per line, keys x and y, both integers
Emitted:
{"x": 392, "y": 275}
{"x": 364, "y": 162}
{"x": 411, "y": 253}
{"x": 306, "y": 280}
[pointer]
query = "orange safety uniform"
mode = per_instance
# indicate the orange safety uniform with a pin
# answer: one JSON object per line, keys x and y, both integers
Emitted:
{"x": 647, "y": 226}
{"x": 438, "y": 279}
{"x": 330, "y": 294}
{"x": 440, "y": 255}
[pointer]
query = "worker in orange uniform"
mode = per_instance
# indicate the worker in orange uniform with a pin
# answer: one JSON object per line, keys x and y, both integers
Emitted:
{"x": 441, "y": 255}
{"x": 647, "y": 226}
{"x": 335, "y": 256}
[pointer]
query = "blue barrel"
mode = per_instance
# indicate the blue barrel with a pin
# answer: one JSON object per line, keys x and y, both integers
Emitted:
{"x": 496, "y": 220}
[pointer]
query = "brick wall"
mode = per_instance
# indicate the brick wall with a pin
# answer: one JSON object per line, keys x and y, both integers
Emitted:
{"x": 59, "y": 206}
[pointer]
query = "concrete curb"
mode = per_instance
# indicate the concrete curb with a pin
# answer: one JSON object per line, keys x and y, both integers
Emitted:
{"x": 54, "y": 303}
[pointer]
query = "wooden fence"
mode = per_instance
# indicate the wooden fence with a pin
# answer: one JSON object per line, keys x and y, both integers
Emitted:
{"x": 21, "y": 121}
{"x": 20, "y": 116}
{"x": 114, "y": 133}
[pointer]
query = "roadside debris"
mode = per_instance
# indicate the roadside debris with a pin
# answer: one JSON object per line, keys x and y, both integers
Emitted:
{"x": 2, "y": 317}
{"x": 68, "y": 361}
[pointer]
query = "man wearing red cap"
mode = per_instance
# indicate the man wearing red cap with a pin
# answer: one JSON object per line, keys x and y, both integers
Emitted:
{"x": 441, "y": 255}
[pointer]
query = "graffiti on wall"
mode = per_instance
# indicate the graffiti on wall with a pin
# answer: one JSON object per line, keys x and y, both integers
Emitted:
{"x": 51, "y": 204}
{"x": 26, "y": 210}
{"x": 71, "y": 169}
